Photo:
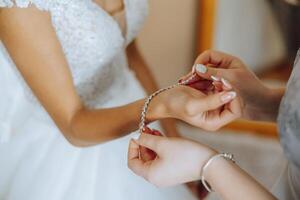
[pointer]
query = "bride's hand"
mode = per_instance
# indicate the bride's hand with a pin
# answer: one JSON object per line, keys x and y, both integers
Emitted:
{"x": 208, "y": 111}
{"x": 178, "y": 160}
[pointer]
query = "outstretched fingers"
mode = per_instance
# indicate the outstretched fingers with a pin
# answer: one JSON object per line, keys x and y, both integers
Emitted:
{"x": 209, "y": 73}
{"x": 216, "y": 58}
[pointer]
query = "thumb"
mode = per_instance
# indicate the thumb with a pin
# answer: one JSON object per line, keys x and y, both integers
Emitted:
{"x": 134, "y": 162}
{"x": 150, "y": 141}
{"x": 214, "y": 101}
{"x": 210, "y": 73}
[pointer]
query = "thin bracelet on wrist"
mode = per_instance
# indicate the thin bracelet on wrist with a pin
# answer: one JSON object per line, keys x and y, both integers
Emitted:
{"x": 226, "y": 156}
{"x": 143, "y": 124}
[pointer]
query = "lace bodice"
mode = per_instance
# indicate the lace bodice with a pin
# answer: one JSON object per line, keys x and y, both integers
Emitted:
{"x": 91, "y": 40}
{"x": 94, "y": 47}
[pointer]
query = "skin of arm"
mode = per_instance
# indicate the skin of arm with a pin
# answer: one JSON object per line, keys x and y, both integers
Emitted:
{"x": 227, "y": 179}
{"x": 260, "y": 103}
{"x": 272, "y": 102}
{"x": 231, "y": 182}
{"x": 144, "y": 75}
{"x": 39, "y": 58}
{"x": 30, "y": 39}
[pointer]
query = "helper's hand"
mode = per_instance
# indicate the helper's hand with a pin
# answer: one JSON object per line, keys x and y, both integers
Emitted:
{"x": 178, "y": 160}
{"x": 257, "y": 100}
{"x": 207, "y": 111}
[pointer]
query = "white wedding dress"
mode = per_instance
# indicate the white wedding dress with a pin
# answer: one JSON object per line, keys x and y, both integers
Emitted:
{"x": 36, "y": 162}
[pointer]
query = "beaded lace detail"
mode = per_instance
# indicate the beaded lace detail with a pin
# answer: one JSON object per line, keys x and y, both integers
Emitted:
{"x": 41, "y": 4}
{"x": 92, "y": 42}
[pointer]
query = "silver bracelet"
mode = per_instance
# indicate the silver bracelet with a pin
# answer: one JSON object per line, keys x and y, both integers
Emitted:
{"x": 226, "y": 156}
{"x": 148, "y": 100}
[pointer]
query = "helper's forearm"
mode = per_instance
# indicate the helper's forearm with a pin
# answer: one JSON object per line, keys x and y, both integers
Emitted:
{"x": 232, "y": 183}
{"x": 270, "y": 108}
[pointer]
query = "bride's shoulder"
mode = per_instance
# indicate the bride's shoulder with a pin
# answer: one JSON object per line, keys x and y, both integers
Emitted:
{"x": 41, "y": 4}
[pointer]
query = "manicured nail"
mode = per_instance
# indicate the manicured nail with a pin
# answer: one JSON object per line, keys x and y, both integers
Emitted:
{"x": 133, "y": 141}
{"x": 226, "y": 83}
{"x": 193, "y": 69}
{"x": 201, "y": 68}
{"x": 228, "y": 96}
{"x": 214, "y": 78}
{"x": 136, "y": 141}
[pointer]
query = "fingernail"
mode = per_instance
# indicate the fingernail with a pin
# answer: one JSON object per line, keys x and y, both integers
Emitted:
{"x": 226, "y": 83}
{"x": 228, "y": 96}
{"x": 214, "y": 78}
{"x": 193, "y": 69}
{"x": 157, "y": 133}
{"x": 201, "y": 68}
{"x": 132, "y": 140}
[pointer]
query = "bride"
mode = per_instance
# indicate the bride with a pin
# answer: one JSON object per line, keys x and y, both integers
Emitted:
{"x": 66, "y": 84}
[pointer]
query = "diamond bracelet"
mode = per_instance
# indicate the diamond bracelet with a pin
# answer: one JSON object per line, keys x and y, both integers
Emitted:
{"x": 149, "y": 99}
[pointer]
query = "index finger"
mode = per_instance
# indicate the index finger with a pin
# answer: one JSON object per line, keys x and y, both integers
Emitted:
{"x": 151, "y": 142}
{"x": 216, "y": 58}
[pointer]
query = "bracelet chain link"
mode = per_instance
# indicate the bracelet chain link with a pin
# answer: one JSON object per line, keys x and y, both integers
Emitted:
{"x": 149, "y": 99}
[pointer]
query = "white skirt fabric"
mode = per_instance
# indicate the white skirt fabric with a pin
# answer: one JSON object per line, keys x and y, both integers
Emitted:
{"x": 37, "y": 163}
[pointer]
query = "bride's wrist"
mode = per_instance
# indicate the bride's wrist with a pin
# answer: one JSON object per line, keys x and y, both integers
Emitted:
{"x": 157, "y": 109}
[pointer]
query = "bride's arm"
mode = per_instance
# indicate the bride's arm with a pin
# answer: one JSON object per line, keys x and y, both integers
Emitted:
{"x": 143, "y": 73}
{"x": 32, "y": 43}
{"x": 138, "y": 64}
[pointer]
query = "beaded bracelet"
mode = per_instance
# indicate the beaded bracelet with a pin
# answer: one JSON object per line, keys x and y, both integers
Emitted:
{"x": 226, "y": 156}
{"x": 143, "y": 125}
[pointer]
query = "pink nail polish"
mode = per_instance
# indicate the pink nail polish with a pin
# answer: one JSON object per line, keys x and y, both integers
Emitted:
{"x": 226, "y": 83}
{"x": 201, "y": 68}
{"x": 214, "y": 78}
{"x": 193, "y": 69}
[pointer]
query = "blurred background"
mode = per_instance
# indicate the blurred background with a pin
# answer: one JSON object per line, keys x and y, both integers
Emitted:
{"x": 264, "y": 33}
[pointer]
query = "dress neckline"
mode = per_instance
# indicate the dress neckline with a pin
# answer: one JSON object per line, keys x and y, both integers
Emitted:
{"x": 125, "y": 10}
